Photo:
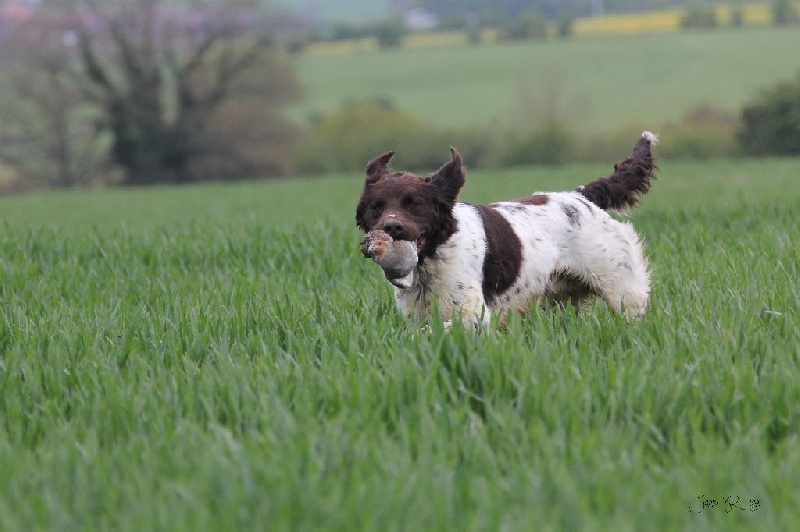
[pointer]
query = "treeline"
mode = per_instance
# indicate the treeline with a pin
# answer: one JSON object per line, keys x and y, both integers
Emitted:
{"x": 452, "y": 10}
{"x": 513, "y": 21}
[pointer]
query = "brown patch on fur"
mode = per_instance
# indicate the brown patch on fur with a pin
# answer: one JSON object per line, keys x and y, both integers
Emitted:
{"x": 630, "y": 179}
{"x": 535, "y": 199}
{"x": 503, "y": 260}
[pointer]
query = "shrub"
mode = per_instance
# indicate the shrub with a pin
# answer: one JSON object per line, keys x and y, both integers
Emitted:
{"x": 389, "y": 34}
{"x": 737, "y": 16}
{"x": 349, "y": 137}
{"x": 235, "y": 143}
{"x": 296, "y": 44}
{"x": 344, "y": 31}
{"x": 704, "y": 132}
{"x": 550, "y": 144}
{"x": 609, "y": 146}
{"x": 784, "y": 12}
{"x": 474, "y": 35}
{"x": 699, "y": 16}
{"x": 526, "y": 27}
{"x": 566, "y": 25}
{"x": 346, "y": 139}
{"x": 771, "y": 121}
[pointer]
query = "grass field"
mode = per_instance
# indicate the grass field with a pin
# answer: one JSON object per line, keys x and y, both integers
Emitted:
{"x": 655, "y": 77}
{"x": 222, "y": 358}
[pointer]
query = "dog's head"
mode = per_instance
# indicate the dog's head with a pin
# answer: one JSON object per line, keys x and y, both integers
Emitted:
{"x": 410, "y": 207}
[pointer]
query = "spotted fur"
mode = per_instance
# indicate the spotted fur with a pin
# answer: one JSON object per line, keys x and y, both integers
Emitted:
{"x": 478, "y": 260}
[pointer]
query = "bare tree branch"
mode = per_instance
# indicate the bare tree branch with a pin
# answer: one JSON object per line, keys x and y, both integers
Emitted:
{"x": 163, "y": 82}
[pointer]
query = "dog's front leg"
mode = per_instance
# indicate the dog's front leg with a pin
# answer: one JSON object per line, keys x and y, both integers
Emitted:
{"x": 468, "y": 321}
{"x": 465, "y": 305}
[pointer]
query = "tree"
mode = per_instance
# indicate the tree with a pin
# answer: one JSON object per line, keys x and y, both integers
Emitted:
{"x": 389, "y": 33}
{"x": 699, "y": 16}
{"x": 184, "y": 89}
{"x": 353, "y": 134}
{"x": 737, "y": 15}
{"x": 771, "y": 121}
{"x": 784, "y": 12}
{"x": 48, "y": 137}
{"x": 527, "y": 26}
{"x": 566, "y": 25}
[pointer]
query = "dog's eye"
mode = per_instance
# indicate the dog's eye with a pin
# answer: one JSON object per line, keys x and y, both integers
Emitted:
{"x": 410, "y": 201}
{"x": 377, "y": 206}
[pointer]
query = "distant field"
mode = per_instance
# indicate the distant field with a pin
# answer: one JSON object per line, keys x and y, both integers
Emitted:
{"x": 666, "y": 20}
{"x": 222, "y": 358}
{"x": 603, "y": 82}
{"x": 351, "y": 11}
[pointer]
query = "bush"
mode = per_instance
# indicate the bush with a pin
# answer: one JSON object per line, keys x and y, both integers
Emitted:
{"x": 347, "y": 139}
{"x": 296, "y": 44}
{"x": 566, "y": 25}
{"x": 699, "y": 16}
{"x": 784, "y": 12}
{"x": 771, "y": 121}
{"x": 702, "y": 133}
{"x": 344, "y": 31}
{"x": 550, "y": 144}
{"x": 609, "y": 146}
{"x": 474, "y": 35}
{"x": 390, "y": 34}
{"x": 528, "y": 26}
{"x": 235, "y": 146}
{"x": 737, "y": 16}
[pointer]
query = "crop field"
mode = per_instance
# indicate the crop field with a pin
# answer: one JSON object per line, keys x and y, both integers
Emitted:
{"x": 222, "y": 358}
{"x": 599, "y": 80}
{"x": 666, "y": 20}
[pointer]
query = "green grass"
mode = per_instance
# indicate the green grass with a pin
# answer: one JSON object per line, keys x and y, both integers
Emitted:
{"x": 602, "y": 81}
{"x": 222, "y": 358}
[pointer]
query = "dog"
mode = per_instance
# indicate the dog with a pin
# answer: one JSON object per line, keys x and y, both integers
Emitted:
{"x": 475, "y": 261}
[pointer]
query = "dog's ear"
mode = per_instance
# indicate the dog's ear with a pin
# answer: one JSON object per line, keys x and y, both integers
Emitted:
{"x": 450, "y": 178}
{"x": 377, "y": 167}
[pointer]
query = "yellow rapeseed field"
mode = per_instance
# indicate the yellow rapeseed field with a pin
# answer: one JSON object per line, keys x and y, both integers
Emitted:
{"x": 627, "y": 24}
{"x": 667, "y": 20}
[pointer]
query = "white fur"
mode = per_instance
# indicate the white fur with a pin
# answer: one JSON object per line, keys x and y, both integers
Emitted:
{"x": 652, "y": 137}
{"x": 605, "y": 253}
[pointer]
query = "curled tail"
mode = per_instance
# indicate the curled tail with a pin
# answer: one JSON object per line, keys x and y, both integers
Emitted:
{"x": 630, "y": 179}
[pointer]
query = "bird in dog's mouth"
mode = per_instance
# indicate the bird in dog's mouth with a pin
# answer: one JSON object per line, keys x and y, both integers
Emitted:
{"x": 397, "y": 258}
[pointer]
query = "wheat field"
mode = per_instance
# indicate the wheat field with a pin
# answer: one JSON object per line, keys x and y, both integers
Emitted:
{"x": 222, "y": 358}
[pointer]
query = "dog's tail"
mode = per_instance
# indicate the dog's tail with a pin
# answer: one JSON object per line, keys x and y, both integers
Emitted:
{"x": 630, "y": 179}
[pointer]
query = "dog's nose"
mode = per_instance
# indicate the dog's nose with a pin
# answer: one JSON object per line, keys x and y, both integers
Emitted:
{"x": 394, "y": 227}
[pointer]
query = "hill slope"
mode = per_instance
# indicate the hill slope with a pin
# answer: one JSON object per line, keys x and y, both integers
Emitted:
{"x": 599, "y": 82}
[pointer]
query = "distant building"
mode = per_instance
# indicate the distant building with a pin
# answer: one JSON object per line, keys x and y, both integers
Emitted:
{"x": 418, "y": 19}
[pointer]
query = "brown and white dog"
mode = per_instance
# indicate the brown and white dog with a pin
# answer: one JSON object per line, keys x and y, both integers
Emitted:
{"x": 474, "y": 261}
